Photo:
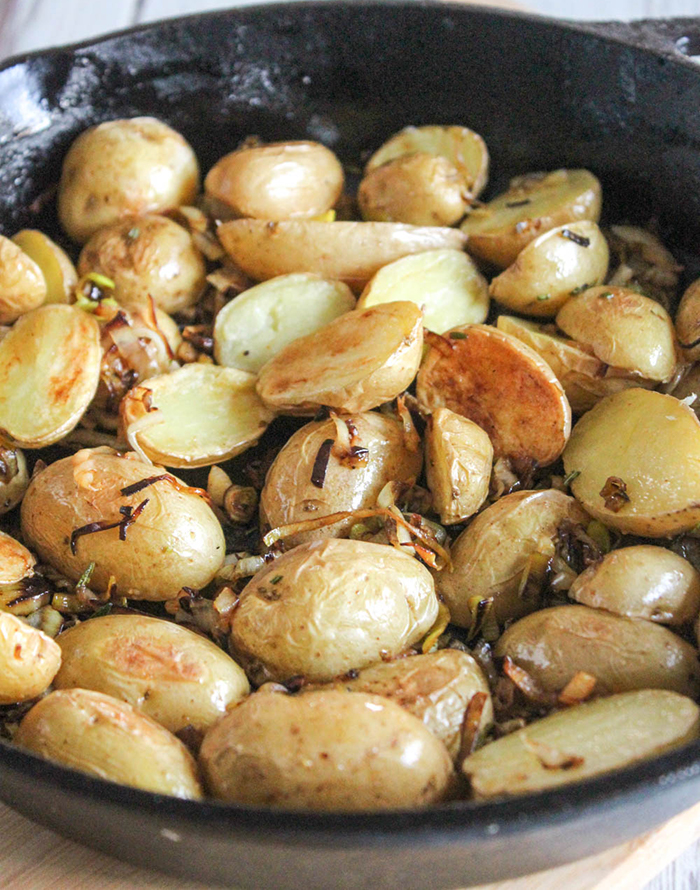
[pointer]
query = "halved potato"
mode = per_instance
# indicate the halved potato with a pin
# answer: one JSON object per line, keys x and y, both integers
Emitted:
{"x": 464, "y": 148}
{"x": 348, "y": 251}
{"x": 549, "y": 269}
{"x": 533, "y": 204}
{"x": 502, "y": 385}
{"x": 252, "y": 328}
{"x": 49, "y": 371}
{"x": 354, "y": 363}
{"x": 688, "y": 322}
{"x": 55, "y": 264}
{"x": 642, "y": 581}
{"x": 589, "y": 739}
{"x": 624, "y": 330}
{"x": 458, "y": 458}
{"x": 29, "y": 660}
{"x": 22, "y": 284}
{"x": 16, "y": 562}
{"x": 497, "y": 554}
{"x": 198, "y": 415}
{"x": 446, "y": 285}
{"x": 648, "y": 444}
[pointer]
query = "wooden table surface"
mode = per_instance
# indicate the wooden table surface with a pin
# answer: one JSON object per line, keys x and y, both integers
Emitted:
{"x": 33, "y": 858}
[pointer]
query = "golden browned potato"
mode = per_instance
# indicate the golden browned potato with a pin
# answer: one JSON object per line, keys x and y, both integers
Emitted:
{"x": 147, "y": 256}
{"x": 56, "y": 266}
{"x": 174, "y": 541}
{"x": 621, "y": 653}
{"x": 16, "y": 562}
{"x": 551, "y": 268}
{"x": 688, "y": 322}
{"x": 28, "y": 660}
{"x": 533, "y": 204}
{"x": 14, "y": 478}
{"x": 458, "y": 458}
{"x": 175, "y": 676}
{"x": 642, "y": 581}
{"x": 436, "y": 688}
{"x": 124, "y": 168}
{"x": 446, "y": 285}
{"x": 195, "y": 416}
{"x": 504, "y": 387}
{"x": 354, "y": 363}
{"x": 623, "y": 329}
{"x": 294, "y": 491}
{"x": 331, "y": 606}
{"x": 22, "y": 284}
{"x": 636, "y": 460}
{"x": 587, "y": 740}
{"x": 348, "y": 251}
{"x": 49, "y": 371}
{"x": 105, "y": 737}
{"x": 324, "y": 750}
{"x": 281, "y": 180}
{"x": 497, "y": 554}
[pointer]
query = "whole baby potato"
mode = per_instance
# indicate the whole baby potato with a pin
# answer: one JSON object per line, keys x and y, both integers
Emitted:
{"x": 29, "y": 660}
{"x": 176, "y": 542}
{"x": 324, "y": 750}
{"x": 331, "y": 606}
{"x": 147, "y": 256}
{"x": 22, "y": 284}
{"x": 621, "y": 653}
{"x": 123, "y": 168}
{"x": 642, "y": 581}
{"x": 171, "y": 674}
{"x": 290, "y": 495}
{"x": 281, "y": 180}
{"x": 105, "y": 737}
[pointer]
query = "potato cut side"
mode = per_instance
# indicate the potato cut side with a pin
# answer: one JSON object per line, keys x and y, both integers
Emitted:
{"x": 348, "y": 251}
{"x": 648, "y": 444}
{"x": 257, "y": 324}
{"x": 533, "y": 204}
{"x": 504, "y": 387}
{"x": 552, "y": 268}
{"x": 29, "y": 660}
{"x": 464, "y": 148}
{"x": 196, "y": 416}
{"x": 49, "y": 371}
{"x": 587, "y": 740}
{"x": 624, "y": 329}
{"x": 55, "y": 264}
{"x": 446, "y": 285}
{"x": 16, "y": 562}
{"x": 354, "y": 363}
{"x": 458, "y": 457}
{"x": 22, "y": 285}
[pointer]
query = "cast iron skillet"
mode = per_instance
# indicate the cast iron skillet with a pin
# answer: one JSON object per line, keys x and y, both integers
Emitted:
{"x": 621, "y": 100}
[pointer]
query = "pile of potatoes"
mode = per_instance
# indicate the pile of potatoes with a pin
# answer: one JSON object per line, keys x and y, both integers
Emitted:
{"x": 452, "y": 560}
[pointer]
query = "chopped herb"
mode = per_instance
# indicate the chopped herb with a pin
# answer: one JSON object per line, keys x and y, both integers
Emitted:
{"x": 576, "y": 238}
{"x": 457, "y": 335}
{"x": 100, "y": 280}
{"x": 579, "y": 290}
{"x": 102, "y": 611}
{"x": 318, "y": 473}
{"x": 133, "y": 234}
{"x": 84, "y": 579}
{"x": 608, "y": 295}
{"x": 518, "y": 203}
{"x": 574, "y": 474}
{"x": 542, "y": 297}
{"x": 614, "y": 493}
{"x": 276, "y": 579}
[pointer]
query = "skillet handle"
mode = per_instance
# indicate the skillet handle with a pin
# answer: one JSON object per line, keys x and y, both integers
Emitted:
{"x": 669, "y": 37}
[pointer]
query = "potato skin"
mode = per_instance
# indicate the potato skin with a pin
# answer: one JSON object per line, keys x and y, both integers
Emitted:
{"x": 169, "y": 673}
{"x": 176, "y": 542}
{"x": 331, "y": 606}
{"x": 100, "y": 735}
{"x": 29, "y": 660}
{"x": 290, "y": 496}
{"x": 327, "y": 750}
{"x": 16, "y": 562}
{"x": 22, "y": 284}
{"x": 688, "y": 322}
{"x": 621, "y": 653}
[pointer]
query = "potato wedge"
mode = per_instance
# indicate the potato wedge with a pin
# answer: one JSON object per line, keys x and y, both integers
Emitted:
{"x": 688, "y": 322}
{"x": 642, "y": 581}
{"x": 22, "y": 284}
{"x": 552, "y": 268}
{"x": 502, "y": 385}
{"x": 446, "y": 285}
{"x": 196, "y": 416}
{"x": 347, "y": 251}
{"x": 587, "y": 740}
{"x": 533, "y": 204}
{"x": 500, "y": 551}
{"x": 16, "y": 562}
{"x": 257, "y": 324}
{"x": 49, "y": 371}
{"x": 458, "y": 458}
{"x": 650, "y": 444}
{"x": 29, "y": 660}
{"x": 55, "y": 264}
{"x": 621, "y": 653}
{"x": 624, "y": 330}
{"x": 354, "y": 363}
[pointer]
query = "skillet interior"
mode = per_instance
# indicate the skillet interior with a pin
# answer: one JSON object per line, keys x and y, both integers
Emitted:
{"x": 543, "y": 95}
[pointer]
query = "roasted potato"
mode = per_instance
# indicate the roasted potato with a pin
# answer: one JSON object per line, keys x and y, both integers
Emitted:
{"x": 16, "y": 562}
{"x": 324, "y": 750}
{"x": 56, "y": 266}
{"x": 14, "y": 478}
{"x": 22, "y": 284}
{"x": 688, "y": 322}
{"x": 328, "y": 607}
{"x": 354, "y": 363}
{"x": 29, "y": 660}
